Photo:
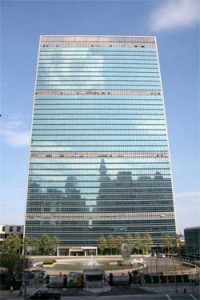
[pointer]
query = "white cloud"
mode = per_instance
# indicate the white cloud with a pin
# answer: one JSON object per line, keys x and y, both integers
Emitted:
{"x": 173, "y": 14}
{"x": 12, "y": 132}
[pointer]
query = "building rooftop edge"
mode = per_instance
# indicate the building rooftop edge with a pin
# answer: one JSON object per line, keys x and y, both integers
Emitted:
{"x": 11, "y": 224}
{"x": 195, "y": 227}
{"x": 99, "y": 35}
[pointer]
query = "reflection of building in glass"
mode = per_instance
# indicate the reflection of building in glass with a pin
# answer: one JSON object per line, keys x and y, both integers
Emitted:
{"x": 99, "y": 161}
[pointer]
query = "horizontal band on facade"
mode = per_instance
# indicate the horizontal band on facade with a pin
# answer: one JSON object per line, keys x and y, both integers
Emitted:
{"x": 96, "y": 44}
{"x": 99, "y": 216}
{"x": 97, "y": 38}
{"x": 98, "y": 41}
{"x": 98, "y": 92}
{"x": 97, "y": 154}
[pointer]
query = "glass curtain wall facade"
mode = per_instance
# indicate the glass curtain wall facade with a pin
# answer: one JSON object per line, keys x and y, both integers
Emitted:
{"x": 99, "y": 160}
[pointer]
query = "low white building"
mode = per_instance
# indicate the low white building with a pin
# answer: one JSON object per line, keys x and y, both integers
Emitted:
{"x": 94, "y": 278}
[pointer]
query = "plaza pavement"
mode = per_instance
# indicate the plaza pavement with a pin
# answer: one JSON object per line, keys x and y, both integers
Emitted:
{"x": 133, "y": 292}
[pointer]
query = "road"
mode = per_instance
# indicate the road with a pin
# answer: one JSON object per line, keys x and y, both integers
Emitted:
{"x": 135, "y": 297}
{"x": 145, "y": 292}
{"x": 119, "y": 297}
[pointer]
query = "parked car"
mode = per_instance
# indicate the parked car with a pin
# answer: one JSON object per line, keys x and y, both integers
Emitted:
{"x": 44, "y": 295}
{"x": 38, "y": 273}
{"x": 161, "y": 255}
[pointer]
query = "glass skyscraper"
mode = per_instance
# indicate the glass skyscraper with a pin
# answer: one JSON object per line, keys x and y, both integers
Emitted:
{"x": 99, "y": 160}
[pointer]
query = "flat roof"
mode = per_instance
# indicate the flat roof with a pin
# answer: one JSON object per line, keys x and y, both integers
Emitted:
{"x": 93, "y": 271}
{"x": 196, "y": 227}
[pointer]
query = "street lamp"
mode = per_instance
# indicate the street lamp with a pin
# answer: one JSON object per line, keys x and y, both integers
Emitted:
{"x": 176, "y": 280}
{"x": 157, "y": 270}
{"x": 24, "y": 267}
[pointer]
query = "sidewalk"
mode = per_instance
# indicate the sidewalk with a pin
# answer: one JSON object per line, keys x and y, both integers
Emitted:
{"x": 171, "y": 288}
{"x": 4, "y": 295}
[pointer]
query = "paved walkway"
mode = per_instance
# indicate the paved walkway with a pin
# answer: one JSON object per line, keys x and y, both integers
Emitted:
{"x": 143, "y": 292}
{"x": 4, "y": 295}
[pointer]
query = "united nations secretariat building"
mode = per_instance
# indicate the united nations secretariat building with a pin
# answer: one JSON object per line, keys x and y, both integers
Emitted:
{"x": 99, "y": 159}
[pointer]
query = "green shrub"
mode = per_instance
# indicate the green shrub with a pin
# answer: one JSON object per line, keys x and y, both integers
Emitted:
{"x": 49, "y": 262}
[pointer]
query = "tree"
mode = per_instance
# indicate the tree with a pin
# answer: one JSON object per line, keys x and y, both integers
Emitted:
{"x": 119, "y": 241}
{"x": 13, "y": 263}
{"x": 34, "y": 244}
{"x": 54, "y": 245}
{"x": 9, "y": 261}
{"x": 45, "y": 245}
{"x": 179, "y": 244}
{"x": 148, "y": 242}
{"x": 102, "y": 244}
{"x": 138, "y": 244}
{"x": 31, "y": 245}
{"x": 168, "y": 242}
{"x": 12, "y": 244}
{"x": 27, "y": 245}
{"x": 111, "y": 243}
{"x": 129, "y": 240}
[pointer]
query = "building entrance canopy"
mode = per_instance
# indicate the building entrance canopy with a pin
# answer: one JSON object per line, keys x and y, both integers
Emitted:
{"x": 77, "y": 251}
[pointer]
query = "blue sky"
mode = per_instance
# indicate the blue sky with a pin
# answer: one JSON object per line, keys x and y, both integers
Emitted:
{"x": 175, "y": 23}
